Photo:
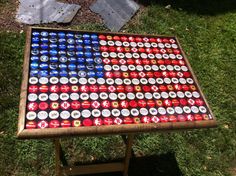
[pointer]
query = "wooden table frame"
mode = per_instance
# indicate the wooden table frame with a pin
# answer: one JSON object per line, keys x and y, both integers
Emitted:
{"x": 100, "y": 130}
{"x": 62, "y": 167}
{"x": 128, "y": 129}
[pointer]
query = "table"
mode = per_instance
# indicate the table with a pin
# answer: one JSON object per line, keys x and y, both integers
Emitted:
{"x": 83, "y": 83}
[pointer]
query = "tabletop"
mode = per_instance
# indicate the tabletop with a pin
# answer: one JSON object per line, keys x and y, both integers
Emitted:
{"x": 79, "y": 83}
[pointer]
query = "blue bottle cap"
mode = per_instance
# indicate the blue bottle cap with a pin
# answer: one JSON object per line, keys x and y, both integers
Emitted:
{"x": 99, "y": 74}
{"x": 96, "y": 54}
{"x": 34, "y": 73}
{"x": 53, "y": 59}
{"x": 34, "y": 65}
{"x": 86, "y": 36}
{"x": 62, "y": 40}
{"x": 82, "y": 74}
{"x": 53, "y": 52}
{"x": 63, "y": 59}
{"x": 70, "y": 53}
{"x": 70, "y": 35}
{"x": 95, "y": 43}
{"x": 99, "y": 67}
{"x": 35, "y": 45}
{"x": 36, "y": 34}
{"x": 90, "y": 66}
{"x": 91, "y": 74}
{"x": 79, "y": 53}
{"x": 97, "y": 60}
{"x": 62, "y": 66}
{"x": 88, "y": 54}
{"x": 87, "y": 42}
{"x": 89, "y": 60}
{"x": 44, "y": 40}
{"x": 43, "y": 73}
{"x": 95, "y": 48}
{"x": 44, "y": 52}
{"x": 61, "y": 52}
{"x": 34, "y": 58}
{"x": 62, "y": 46}
{"x": 72, "y": 73}
{"x": 88, "y": 48}
{"x": 43, "y": 66}
{"x": 53, "y": 40}
{"x": 53, "y": 46}
{"x": 94, "y": 36}
{"x": 44, "y": 46}
{"x": 71, "y": 41}
{"x": 53, "y": 34}
{"x": 35, "y": 52}
{"x": 53, "y": 73}
{"x": 71, "y": 66}
{"x": 35, "y": 39}
{"x": 44, "y": 58}
{"x": 81, "y": 60}
{"x": 63, "y": 73}
{"x": 78, "y": 36}
{"x": 79, "y": 41}
{"x": 72, "y": 59}
{"x": 44, "y": 33}
{"x": 70, "y": 47}
{"x": 61, "y": 34}
{"x": 79, "y": 47}
{"x": 81, "y": 67}
{"x": 53, "y": 66}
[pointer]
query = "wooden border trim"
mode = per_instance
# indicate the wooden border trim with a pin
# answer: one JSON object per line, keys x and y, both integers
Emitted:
{"x": 112, "y": 129}
{"x": 102, "y": 32}
{"x": 195, "y": 79}
{"x": 99, "y": 130}
{"x": 24, "y": 84}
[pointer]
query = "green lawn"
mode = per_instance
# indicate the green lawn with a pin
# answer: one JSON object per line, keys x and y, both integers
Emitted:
{"x": 207, "y": 33}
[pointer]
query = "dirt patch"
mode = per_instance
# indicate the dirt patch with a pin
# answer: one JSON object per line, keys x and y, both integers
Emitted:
{"x": 85, "y": 15}
{"x": 8, "y": 11}
{"x": 7, "y": 16}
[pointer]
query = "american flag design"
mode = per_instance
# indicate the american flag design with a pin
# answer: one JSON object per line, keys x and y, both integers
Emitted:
{"x": 91, "y": 79}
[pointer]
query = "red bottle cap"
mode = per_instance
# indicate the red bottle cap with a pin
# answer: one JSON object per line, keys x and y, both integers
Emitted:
{"x": 142, "y": 103}
{"x": 54, "y": 105}
{"x": 42, "y": 124}
{"x": 43, "y": 105}
{"x": 145, "y": 119}
{"x": 54, "y": 124}
{"x": 33, "y": 89}
{"x": 108, "y": 121}
{"x": 85, "y": 104}
{"x": 31, "y": 125}
{"x": 198, "y": 117}
{"x": 65, "y": 88}
{"x": 43, "y": 88}
{"x": 75, "y": 104}
{"x": 97, "y": 121}
{"x": 65, "y": 105}
{"x": 32, "y": 106}
{"x": 164, "y": 118}
{"x": 65, "y": 123}
{"x": 172, "y": 118}
{"x": 128, "y": 120}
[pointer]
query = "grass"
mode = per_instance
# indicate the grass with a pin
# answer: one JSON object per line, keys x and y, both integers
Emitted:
{"x": 209, "y": 40}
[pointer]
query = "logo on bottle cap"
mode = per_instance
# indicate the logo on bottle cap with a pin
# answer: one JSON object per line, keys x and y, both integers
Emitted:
{"x": 31, "y": 115}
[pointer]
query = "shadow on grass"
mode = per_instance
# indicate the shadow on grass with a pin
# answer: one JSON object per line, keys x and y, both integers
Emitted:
{"x": 200, "y": 7}
{"x": 156, "y": 165}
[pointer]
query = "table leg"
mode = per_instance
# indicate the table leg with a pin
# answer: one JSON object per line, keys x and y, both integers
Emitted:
{"x": 57, "y": 157}
{"x": 128, "y": 153}
{"x": 62, "y": 165}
